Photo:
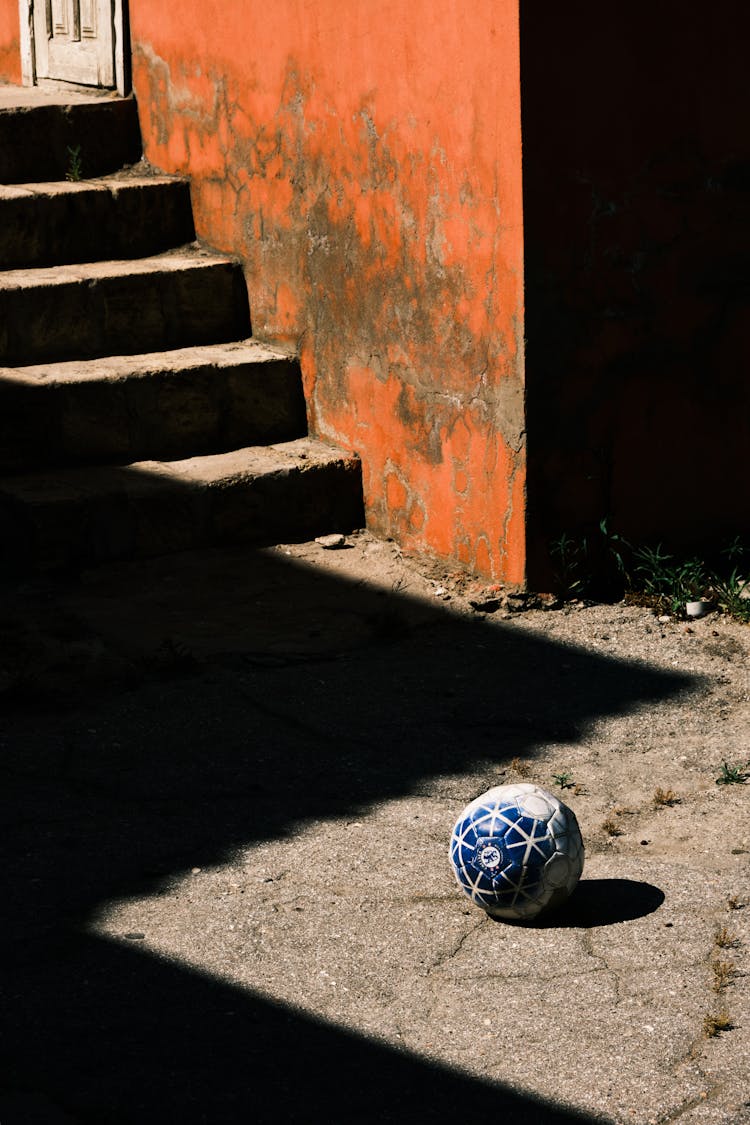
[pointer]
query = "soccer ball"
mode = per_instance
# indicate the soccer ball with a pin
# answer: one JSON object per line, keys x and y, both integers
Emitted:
{"x": 517, "y": 851}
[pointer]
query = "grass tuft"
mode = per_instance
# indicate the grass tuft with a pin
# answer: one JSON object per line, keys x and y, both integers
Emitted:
{"x": 723, "y": 972}
{"x": 665, "y": 797}
{"x": 725, "y": 939}
{"x": 732, "y": 775}
{"x": 716, "y": 1022}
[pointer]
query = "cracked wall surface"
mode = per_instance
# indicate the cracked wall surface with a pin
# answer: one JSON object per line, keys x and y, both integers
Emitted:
{"x": 10, "y": 48}
{"x": 364, "y": 162}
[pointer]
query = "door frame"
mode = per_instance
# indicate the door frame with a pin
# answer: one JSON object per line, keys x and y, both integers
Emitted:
{"x": 121, "y": 45}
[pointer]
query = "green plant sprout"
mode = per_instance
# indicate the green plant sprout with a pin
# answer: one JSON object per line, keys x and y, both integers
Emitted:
{"x": 732, "y": 775}
{"x": 731, "y": 591}
{"x": 75, "y": 164}
{"x": 650, "y": 574}
{"x": 563, "y": 780}
{"x": 570, "y": 557}
{"x": 671, "y": 582}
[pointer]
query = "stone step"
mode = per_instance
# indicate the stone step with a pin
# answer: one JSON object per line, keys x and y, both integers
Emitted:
{"x": 188, "y": 296}
{"x": 161, "y": 405}
{"x": 131, "y": 216}
{"x": 80, "y": 517}
{"x": 40, "y": 133}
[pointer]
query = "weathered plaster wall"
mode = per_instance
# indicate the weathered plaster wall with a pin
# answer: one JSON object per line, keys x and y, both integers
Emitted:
{"x": 364, "y": 161}
{"x": 636, "y": 192}
{"x": 10, "y": 48}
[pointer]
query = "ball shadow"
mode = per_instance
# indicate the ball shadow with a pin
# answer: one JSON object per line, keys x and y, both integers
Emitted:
{"x": 597, "y": 902}
{"x": 605, "y": 902}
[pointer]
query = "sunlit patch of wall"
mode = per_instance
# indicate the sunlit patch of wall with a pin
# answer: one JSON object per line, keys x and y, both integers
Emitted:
{"x": 364, "y": 162}
{"x": 10, "y": 48}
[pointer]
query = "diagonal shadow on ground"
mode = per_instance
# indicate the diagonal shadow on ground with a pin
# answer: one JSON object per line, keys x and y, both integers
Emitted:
{"x": 318, "y": 698}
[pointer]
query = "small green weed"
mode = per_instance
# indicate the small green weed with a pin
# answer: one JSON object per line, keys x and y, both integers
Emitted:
{"x": 733, "y": 597}
{"x": 603, "y": 563}
{"x": 615, "y": 548}
{"x": 730, "y": 590}
{"x": 669, "y": 581}
{"x": 75, "y": 164}
{"x": 590, "y": 564}
{"x": 563, "y": 780}
{"x": 570, "y": 558}
{"x": 732, "y": 775}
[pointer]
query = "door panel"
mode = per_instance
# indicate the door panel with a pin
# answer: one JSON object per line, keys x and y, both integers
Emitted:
{"x": 74, "y": 41}
{"x": 61, "y": 13}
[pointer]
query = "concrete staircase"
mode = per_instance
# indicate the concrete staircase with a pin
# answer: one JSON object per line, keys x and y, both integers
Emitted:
{"x": 136, "y": 417}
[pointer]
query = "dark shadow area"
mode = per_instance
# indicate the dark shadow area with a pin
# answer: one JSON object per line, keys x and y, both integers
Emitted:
{"x": 605, "y": 902}
{"x": 36, "y": 146}
{"x": 636, "y": 161}
{"x": 286, "y": 695}
{"x": 154, "y": 1042}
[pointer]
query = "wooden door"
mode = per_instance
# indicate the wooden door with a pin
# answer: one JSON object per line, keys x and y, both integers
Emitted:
{"x": 74, "y": 41}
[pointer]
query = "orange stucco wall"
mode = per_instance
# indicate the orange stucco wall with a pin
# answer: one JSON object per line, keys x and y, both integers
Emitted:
{"x": 364, "y": 161}
{"x": 10, "y": 50}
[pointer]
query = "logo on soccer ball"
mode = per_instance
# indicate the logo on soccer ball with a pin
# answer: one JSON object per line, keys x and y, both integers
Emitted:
{"x": 489, "y": 855}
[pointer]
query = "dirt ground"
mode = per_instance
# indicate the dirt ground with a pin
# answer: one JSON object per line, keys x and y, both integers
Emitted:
{"x": 230, "y": 779}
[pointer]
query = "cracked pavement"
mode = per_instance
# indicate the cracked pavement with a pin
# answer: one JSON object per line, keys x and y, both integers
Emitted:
{"x": 229, "y": 791}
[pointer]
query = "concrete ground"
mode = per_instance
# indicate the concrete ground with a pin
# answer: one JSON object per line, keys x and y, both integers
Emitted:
{"x": 28, "y": 96}
{"x": 229, "y": 781}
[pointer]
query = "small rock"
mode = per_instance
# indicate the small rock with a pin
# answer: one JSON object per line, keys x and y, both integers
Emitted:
{"x": 664, "y": 619}
{"x": 331, "y": 542}
{"x": 440, "y": 591}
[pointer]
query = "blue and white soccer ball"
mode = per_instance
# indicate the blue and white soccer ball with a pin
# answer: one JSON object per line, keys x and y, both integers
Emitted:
{"x": 517, "y": 851}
